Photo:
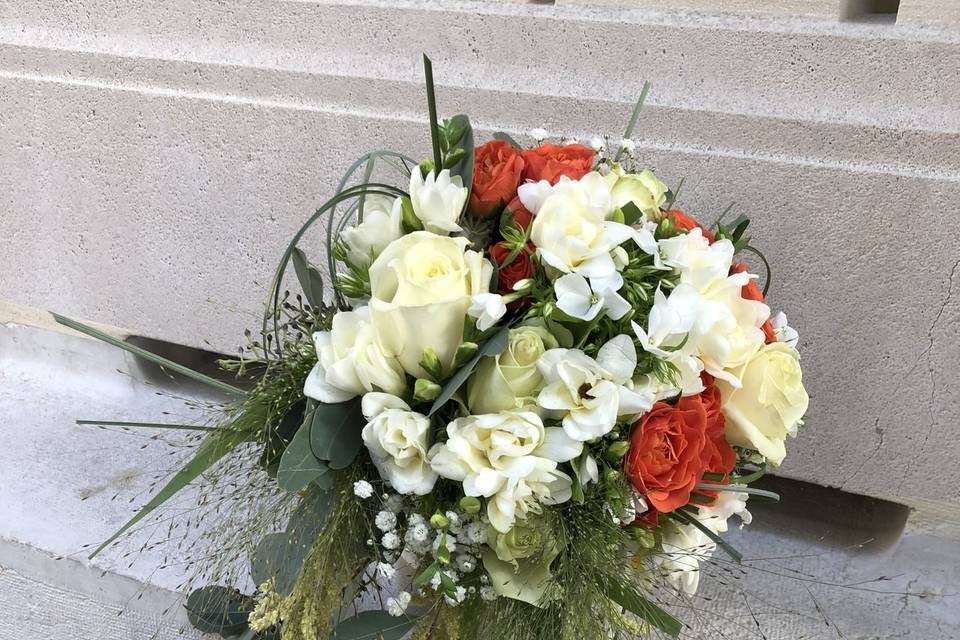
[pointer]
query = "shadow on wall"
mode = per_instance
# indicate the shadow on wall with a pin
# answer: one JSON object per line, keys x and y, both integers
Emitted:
{"x": 829, "y": 518}
{"x": 870, "y": 10}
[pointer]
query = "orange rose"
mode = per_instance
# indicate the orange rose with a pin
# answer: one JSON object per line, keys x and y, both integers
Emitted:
{"x": 496, "y": 175}
{"x": 668, "y": 453}
{"x": 521, "y": 217}
{"x": 683, "y": 221}
{"x": 552, "y": 161}
{"x": 722, "y": 458}
{"x": 751, "y": 291}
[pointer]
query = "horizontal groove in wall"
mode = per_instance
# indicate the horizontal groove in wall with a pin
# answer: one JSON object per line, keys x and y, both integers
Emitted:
{"x": 838, "y": 146}
{"x": 807, "y": 74}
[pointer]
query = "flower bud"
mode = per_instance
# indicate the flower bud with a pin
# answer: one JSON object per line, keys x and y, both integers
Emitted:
{"x": 613, "y": 475}
{"x": 409, "y": 218}
{"x": 616, "y": 451}
{"x": 439, "y": 521}
{"x": 470, "y": 504}
{"x": 431, "y": 363}
{"x": 425, "y": 390}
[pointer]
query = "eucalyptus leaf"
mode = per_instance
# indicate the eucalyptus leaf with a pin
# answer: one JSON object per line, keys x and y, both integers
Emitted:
{"x": 212, "y": 449}
{"x": 217, "y": 609}
{"x": 628, "y": 598}
{"x": 335, "y": 432}
{"x": 280, "y": 556}
{"x": 495, "y": 345}
{"x": 298, "y": 465}
{"x": 374, "y": 625}
{"x": 310, "y": 279}
{"x": 506, "y": 137}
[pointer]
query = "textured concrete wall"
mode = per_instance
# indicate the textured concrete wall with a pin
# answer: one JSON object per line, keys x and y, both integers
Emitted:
{"x": 156, "y": 159}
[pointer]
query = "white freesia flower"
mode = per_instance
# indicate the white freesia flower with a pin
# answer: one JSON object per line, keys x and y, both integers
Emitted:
{"x": 570, "y": 227}
{"x": 645, "y": 239}
{"x": 398, "y": 440}
{"x": 770, "y": 402}
{"x": 487, "y": 308}
{"x": 683, "y": 547}
{"x": 437, "y": 200}
{"x": 350, "y": 362}
{"x": 508, "y": 458}
{"x": 698, "y": 262}
{"x": 727, "y": 503}
{"x": 590, "y": 394}
{"x": 381, "y": 225}
{"x": 580, "y": 299}
{"x": 783, "y": 331}
{"x": 421, "y": 288}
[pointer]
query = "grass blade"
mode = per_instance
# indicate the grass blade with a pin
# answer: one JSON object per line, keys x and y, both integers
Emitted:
{"x": 147, "y": 425}
{"x": 635, "y": 116}
{"x": 152, "y": 357}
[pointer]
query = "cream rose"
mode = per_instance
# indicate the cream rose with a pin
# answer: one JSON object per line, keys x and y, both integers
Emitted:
{"x": 642, "y": 189}
{"x": 421, "y": 288}
{"x": 570, "y": 227}
{"x": 350, "y": 362}
{"x": 397, "y": 439}
{"x": 508, "y": 458}
{"x": 510, "y": 380}
{"x": 770, "y": 403}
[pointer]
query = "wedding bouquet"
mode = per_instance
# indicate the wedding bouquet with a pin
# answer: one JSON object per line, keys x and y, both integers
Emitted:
{"x": 527, "y": 407}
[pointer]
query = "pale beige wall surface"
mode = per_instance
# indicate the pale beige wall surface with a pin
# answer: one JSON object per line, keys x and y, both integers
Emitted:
{"x": 155, "y": 162}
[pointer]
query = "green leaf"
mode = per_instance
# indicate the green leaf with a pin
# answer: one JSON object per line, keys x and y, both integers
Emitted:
{"x": 335, "y": 432}
{"x": 147, "y": 425}
{"x": 628, "y": 598}
{"x": 635, "y": 115}
{"x": 281, "y": 555}
{"x": 374, "y": 625}
{"x": 631, "y": 213}
{"x": 217, "y": 609}
{"x": 217, "y": 444}
{"x": 506, "y": 137}
{"x": 298, "y": 466}
{"x": 495, "y": 345}
{"x": 689, "y": 517}
{"x": 310, "y": 279}
{"x": 432, "y": 111}
{"x": 152, "y": 357}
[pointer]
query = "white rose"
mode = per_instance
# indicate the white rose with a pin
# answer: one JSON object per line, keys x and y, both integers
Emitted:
{"x": 508, "y": 458}
{"x": 590, "y": 394}
{"x": 570, "y": 227}
{"x": 437, "y": 200}
{"x": 381, "y": 225}
{"x": 397, "y": 439}
{"x": 770, "y": 403}
{"x": 511, "y": 379}
{"x": 421, "y": 288}
{"x": 350, "y": 362}
{"x": 642, "y": 189}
